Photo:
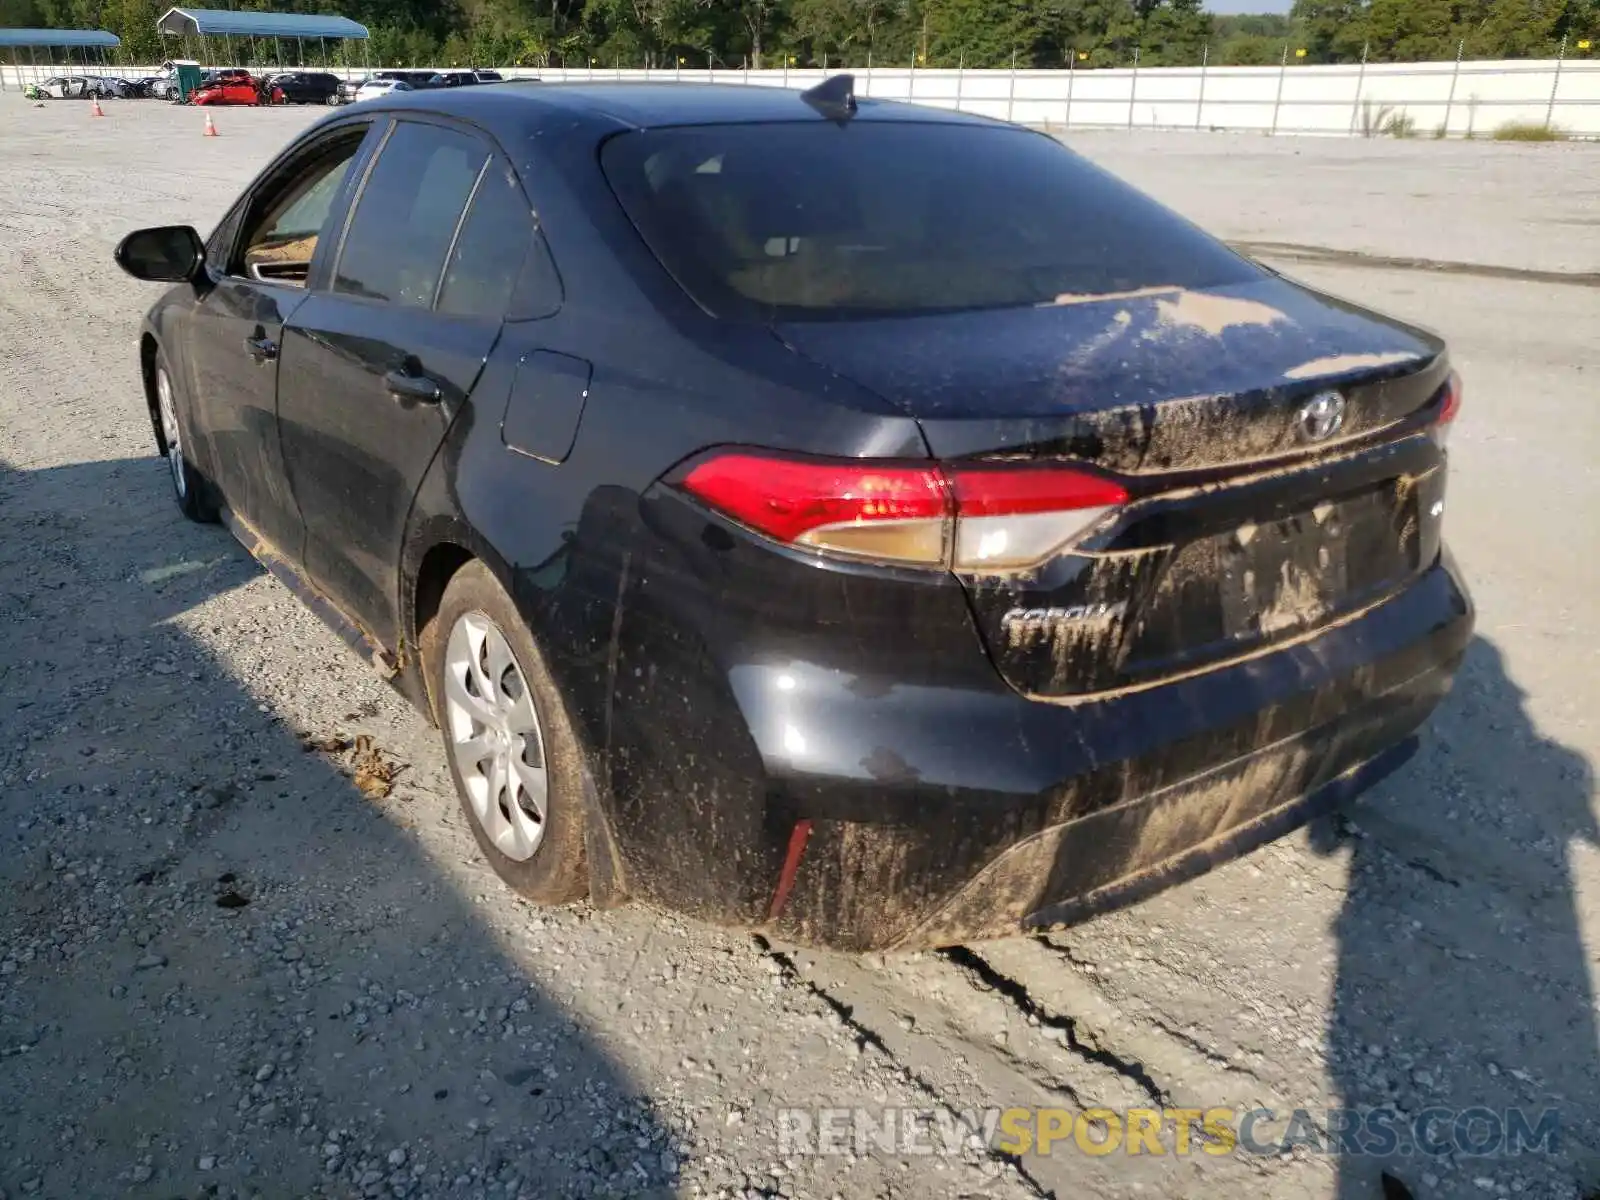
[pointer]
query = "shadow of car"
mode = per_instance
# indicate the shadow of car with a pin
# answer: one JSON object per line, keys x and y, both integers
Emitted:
{"x": 167, "y": 806}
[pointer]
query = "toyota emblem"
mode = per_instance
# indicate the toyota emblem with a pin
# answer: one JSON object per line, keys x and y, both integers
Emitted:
{"x": 1321, "y": 418}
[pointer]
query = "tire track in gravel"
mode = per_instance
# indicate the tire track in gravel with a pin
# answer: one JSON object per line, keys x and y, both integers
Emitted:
{"x": 866, "y": 1036}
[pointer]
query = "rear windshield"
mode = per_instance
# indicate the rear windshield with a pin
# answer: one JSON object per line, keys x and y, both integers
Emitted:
{"x": 812, "y": 221}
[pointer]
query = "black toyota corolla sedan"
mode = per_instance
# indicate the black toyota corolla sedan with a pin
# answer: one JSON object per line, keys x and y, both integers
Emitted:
{"x": 871, "y": 524}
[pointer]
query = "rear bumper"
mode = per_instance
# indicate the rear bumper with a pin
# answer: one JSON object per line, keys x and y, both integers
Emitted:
{"x": 1024, "y": 815}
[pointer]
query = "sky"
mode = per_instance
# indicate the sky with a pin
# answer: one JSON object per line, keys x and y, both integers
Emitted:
{"x": 1249, "y": 6}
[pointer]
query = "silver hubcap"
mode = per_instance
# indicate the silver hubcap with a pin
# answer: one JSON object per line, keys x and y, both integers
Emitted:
{"x": 494, "y": 736}
{"x": 169, "y": 430}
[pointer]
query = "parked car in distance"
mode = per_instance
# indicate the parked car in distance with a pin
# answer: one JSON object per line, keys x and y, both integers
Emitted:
{"x": 107, "y": 87}
{"x": 464, "y": 78}
{"x": 234, "y": 90}
{"x": 417, "y": 79}
{"x": 873, "y": 524}
{"x": 374, "y": 89}
{"x": 305, "y": 87}
{"x": 227, "y": 75}
{"x": 75, "y": 87}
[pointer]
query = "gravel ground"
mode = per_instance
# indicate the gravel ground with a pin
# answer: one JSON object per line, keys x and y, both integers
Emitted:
{"x": 225, "y": 971}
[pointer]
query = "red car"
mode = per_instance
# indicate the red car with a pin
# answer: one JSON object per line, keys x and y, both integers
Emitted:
{"x": 234, "y": 87}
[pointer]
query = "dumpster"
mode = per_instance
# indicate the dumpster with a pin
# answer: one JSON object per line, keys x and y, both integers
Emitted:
{"x": 185, "y": 73}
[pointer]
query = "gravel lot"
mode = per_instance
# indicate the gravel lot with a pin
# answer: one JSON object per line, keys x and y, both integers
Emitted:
{"x": 224, "y": 971}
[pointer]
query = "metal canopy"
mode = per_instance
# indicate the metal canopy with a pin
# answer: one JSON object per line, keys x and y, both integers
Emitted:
{"x": 210, "y": 22}
{"x": 60, "y": 37}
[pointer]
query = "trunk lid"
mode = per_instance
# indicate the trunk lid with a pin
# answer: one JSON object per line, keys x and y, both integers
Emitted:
{"x": 1156, "y": 379}
{"x": 1251, "y": 523}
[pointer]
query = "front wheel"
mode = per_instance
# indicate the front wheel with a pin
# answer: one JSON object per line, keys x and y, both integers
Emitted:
{"x": 513, "y": 753}
{"x": 188, "y": 485}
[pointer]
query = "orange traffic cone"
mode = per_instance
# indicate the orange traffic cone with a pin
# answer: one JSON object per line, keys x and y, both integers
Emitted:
{"x": 211, "y": 126}
{"x": 94, "y": 109}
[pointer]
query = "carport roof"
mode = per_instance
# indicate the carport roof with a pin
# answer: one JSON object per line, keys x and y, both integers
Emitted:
{"x": 59, "y": 37}
{"x": 212, "y": 22}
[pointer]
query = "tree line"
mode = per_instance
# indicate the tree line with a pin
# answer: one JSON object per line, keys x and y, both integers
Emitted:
{"x": 731, "y": 34}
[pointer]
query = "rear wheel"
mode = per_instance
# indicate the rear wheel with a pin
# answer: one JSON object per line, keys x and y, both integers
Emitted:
{"x": 513, "y": 754}
{"x": 189, "y": 487}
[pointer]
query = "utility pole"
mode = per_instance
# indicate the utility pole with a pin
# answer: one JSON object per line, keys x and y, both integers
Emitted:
{"x": 1011, "y": 88}
{"x": 1133, "y": 88}
{"x": 1361, "y": 79}
{"x": 1277, "y": 101}
{"x": 1555, "y": 86}
{"x": 1454, "y": 79}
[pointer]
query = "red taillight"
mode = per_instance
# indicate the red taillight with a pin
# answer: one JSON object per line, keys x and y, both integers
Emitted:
{"x": 995, "y": 492}
{"x": 1452, "y": 399}
{"x": 786, "y": 498}
{"x": 969, "y": 518}
{"x": 1449, "y": 408}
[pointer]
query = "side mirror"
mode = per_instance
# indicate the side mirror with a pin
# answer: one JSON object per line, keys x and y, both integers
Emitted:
{"x": 165, "y": 254}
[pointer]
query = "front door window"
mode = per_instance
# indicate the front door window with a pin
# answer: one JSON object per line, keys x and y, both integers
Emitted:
{"x": 282, "y": 232}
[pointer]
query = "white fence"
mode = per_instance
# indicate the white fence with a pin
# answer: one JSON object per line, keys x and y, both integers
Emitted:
{"x": 1460, "y": 98}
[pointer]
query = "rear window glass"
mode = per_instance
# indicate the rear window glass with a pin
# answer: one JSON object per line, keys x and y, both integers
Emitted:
{"x": 813, "y": 221}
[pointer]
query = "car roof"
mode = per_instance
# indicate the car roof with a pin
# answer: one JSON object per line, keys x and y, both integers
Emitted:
{"x": 517, "y": 104}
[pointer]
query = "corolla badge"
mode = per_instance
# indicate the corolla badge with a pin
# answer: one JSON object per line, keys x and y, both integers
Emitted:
{"x": 1321, "y": 417}
{"x": 1024, "y": 622}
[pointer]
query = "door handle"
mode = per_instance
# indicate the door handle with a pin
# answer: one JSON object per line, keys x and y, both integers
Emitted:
{"x": 413, "y": 388}
{"x": 262, "y": 349}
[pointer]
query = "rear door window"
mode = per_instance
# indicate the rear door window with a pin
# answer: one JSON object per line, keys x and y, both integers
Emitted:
{"x": 811, "y": 221}
{"x": 406, "y": 218}
{"x": 487, "y": 259}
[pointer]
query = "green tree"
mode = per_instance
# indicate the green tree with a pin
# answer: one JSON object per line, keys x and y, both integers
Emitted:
{"x": 758, "y": 23}
{"x": 1331, "y": 30}
{"x": 1252, "y": 39}
{"x": 1411, "y": 30}
{"x": 20, "y": 14}
{"x": 1107, "y": 31}
{"x": 1173, "y": 33}
{"x": 1581, "y": 22}
{"x": 1512, "y": 28}
{"x": 979, "y": 33}
{"x": 842, "y": 29}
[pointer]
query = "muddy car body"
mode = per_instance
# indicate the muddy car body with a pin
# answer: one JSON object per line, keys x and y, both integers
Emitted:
{"x": 881, "y": 573}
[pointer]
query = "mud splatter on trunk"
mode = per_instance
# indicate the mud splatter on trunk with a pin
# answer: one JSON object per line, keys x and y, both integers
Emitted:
{"x": 1297, "y": 602}
{"x": 1215, "y": 315}
{"x": 1340, "y": 364}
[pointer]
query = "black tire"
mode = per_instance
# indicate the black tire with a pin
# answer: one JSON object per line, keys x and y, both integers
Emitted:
{"x": 193, "y": 491}
{"x": 556, "y": 873}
